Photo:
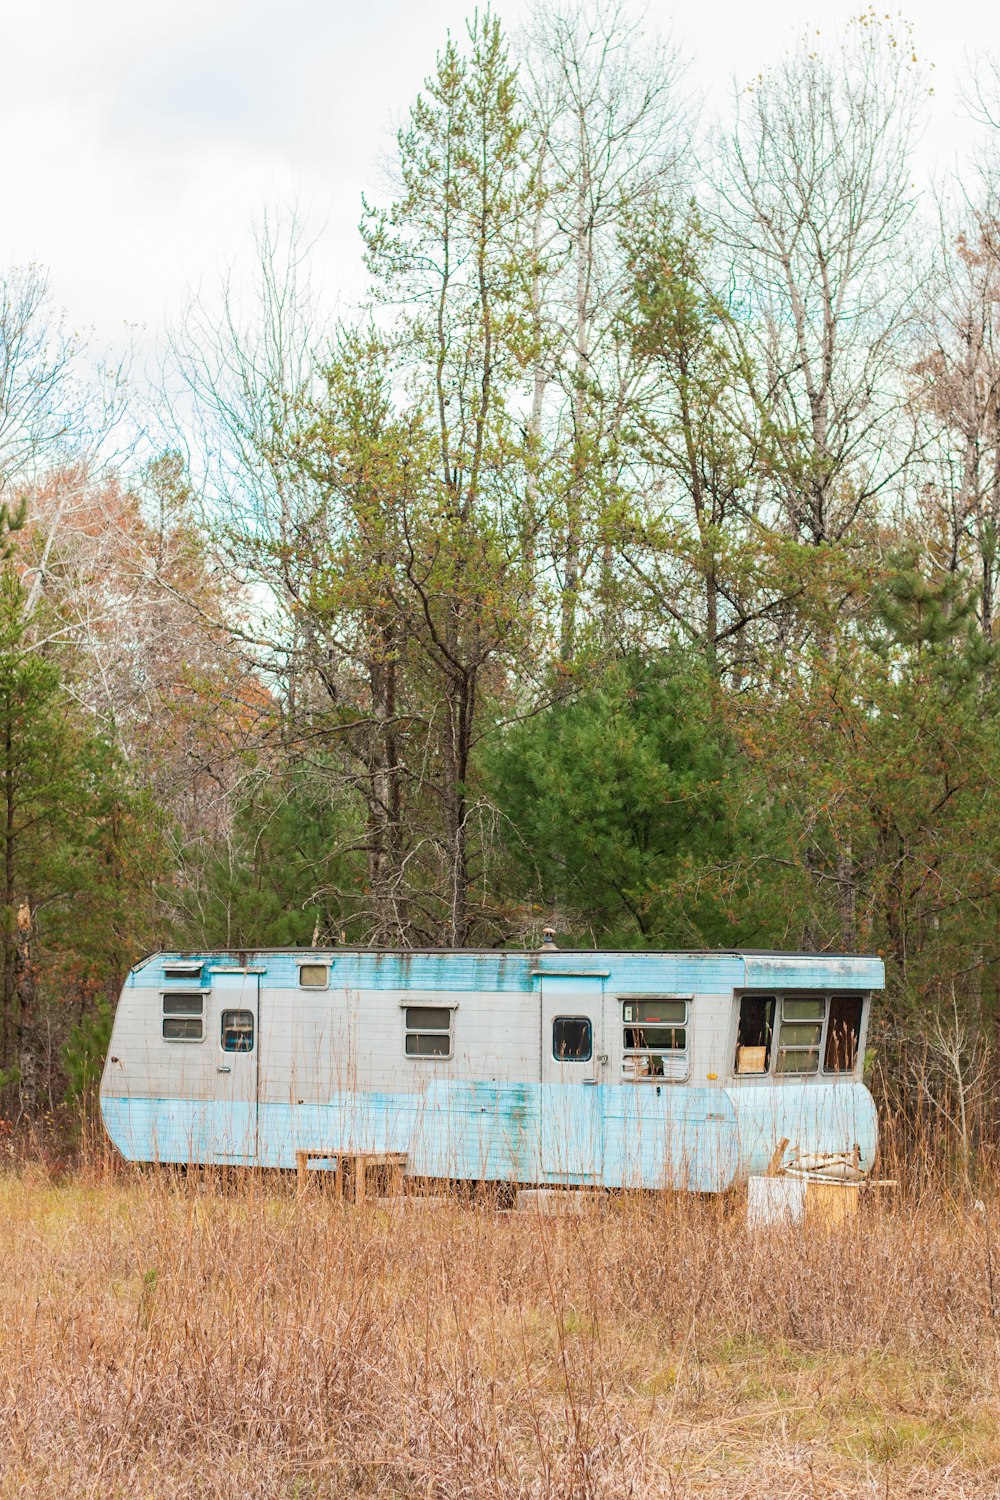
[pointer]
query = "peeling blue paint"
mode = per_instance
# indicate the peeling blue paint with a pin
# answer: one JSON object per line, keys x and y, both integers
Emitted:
{"x": 813, "y": 1117}
{"x": 684, "y": 1139}
{"x": 500, "y": 972}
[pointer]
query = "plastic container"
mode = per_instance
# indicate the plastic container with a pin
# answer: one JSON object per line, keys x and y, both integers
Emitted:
{"x": 775, "y": 1200}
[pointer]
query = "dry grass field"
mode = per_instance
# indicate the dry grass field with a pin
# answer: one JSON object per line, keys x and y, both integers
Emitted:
{"x": 168, "y": 1337}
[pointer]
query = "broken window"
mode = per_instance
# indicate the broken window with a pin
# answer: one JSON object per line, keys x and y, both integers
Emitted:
{"x": 428, "y": 1031}
{"x": 237, "y": 1031}
{"x": 314, "y": 976}
{"x": 753, "y": 1036}
{"x": 799, "y": 1035}
{"x": 183, "y": 1017}
{"x": 572, "y": 1039}
{"x": 843, "y": 1034}
{"x": 655, "y": 1038}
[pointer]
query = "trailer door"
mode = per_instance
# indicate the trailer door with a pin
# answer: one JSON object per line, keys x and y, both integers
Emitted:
{"x": 237, "y": 1051}
{"x": 573, "y": 1059}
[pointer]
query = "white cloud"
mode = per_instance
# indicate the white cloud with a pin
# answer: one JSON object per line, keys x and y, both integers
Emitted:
{"x": 143, "y": 141}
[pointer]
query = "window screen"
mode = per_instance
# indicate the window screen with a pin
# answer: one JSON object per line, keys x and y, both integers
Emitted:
{"x": 654, "y": 1038}
{"x": 428, "y": 1031}
{"x": 183, "y": 1017}
{"x": 237, "y": 1031}
{"x": 572, "y": 1039}
{"x": 314, "y": 976}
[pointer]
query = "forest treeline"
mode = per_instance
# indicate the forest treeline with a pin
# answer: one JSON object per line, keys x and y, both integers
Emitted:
{"x": 627, "y": 564}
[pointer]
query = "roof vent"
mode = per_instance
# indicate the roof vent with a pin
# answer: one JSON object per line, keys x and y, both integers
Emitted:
{"x": 548, "y": 939}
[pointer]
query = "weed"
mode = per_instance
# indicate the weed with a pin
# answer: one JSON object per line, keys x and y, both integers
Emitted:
{"x": 184, "y": 1336}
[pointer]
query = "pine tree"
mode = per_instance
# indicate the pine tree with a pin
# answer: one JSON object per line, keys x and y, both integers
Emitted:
{"x": 39, "y": 801}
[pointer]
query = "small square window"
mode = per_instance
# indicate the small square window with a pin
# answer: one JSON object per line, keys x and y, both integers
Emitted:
{"x": 428, "y": 1044}
{"x": 655, "y": 1038}
{"x": 427, "y": 1018}
{"x": 314, "y": 976}
{"x": 183, "y": 1016}
{"x": 428, "y": 1031}
{"x": 572, "y": 1039}
{"x": 237, "y": 1031}
{"x": 801, "y": 1060}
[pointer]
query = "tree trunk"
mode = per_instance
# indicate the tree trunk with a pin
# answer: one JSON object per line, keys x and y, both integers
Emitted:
{"x": 460, "y": 705}
{"x": 9, "y": 938}
{"x": 581, "y": 375}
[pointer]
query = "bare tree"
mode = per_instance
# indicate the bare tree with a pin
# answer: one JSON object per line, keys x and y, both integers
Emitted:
{"x": 815, "y": 197}
{"x": 42, "y": 407}
{"x": 609, "y": 134}
{"x": 958, "y": 391}
{"x": 694, "y": 543}
{"x": 46, "y": 412}
{"x": 372, "y": 506}
{"x": 955, "y": 1076}
{"x": 449, "y": 253}
{"x": 240, "y": 372}
{"x": 123, "y": 599}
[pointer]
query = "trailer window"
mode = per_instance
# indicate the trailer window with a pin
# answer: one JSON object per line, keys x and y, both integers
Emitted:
{"x": 237, "y": 1031}
{"x": 189, "y": 971}
{"x": 428, "y": 1031}
{"x": 843, "y": 1034}
{"x": 655, "y": 1038}
{"x": 572, "y": 1039}
{"x": 799, "y": 1035}
{"x": 753, "y": 1036}
{"x": 183, "y": 1017}
{"x": 314, "y": 976}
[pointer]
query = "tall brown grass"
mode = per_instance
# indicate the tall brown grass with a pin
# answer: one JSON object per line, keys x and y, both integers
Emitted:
{"x": 169, "y": 1335}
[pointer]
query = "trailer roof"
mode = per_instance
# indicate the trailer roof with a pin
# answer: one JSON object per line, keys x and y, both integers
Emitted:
{"x": 332, "y": 951}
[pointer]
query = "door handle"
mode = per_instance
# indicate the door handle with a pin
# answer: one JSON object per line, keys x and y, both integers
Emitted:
{"x": 225, "y": 1068}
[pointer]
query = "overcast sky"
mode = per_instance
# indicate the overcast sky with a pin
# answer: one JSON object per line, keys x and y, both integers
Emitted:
{"x": 143, "y": 140}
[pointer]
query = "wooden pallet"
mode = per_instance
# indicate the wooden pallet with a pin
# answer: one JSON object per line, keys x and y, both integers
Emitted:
{"x": 350, "y": 1179}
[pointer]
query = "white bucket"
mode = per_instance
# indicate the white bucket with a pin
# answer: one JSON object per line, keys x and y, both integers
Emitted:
{"x": 775, "y": 1200}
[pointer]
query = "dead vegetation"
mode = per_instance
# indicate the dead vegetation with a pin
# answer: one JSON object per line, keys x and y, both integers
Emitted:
{"x": 170, "y": 1336}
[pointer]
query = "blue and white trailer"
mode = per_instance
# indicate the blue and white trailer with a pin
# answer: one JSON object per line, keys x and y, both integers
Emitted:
{"x": 655, "y": 1070}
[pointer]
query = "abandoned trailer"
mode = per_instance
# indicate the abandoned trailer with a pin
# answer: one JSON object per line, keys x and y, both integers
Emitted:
{"x": 675, "y": 1070}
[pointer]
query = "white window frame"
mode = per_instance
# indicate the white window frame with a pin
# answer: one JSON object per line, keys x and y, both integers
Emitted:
{"x": 574, "y": 1058}
{"x": 188, "y": 1041}
{"x": 237, "y": 1010}
{"x": 640, "y": 1052}
{"x": 816, "y": 997}
{"x": 315, "y": 963}
{"x": 771, "y": 1074}
{"x": 447, "y": 1009}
